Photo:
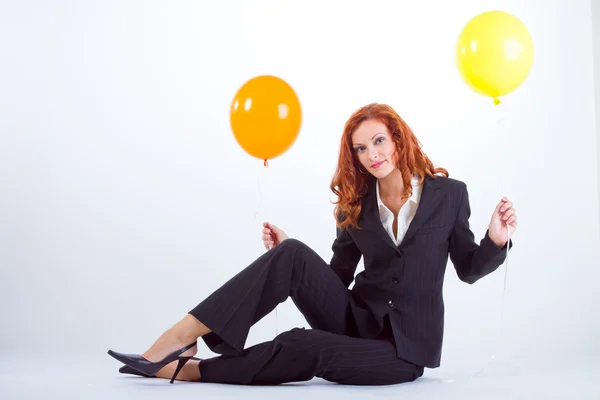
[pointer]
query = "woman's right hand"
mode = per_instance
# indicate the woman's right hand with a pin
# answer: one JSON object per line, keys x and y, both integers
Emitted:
{"x": 272, "y": 235}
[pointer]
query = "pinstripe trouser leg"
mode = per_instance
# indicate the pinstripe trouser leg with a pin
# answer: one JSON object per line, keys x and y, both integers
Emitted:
{"x": 329, "y": 350}
{"x": 302, "y": 354}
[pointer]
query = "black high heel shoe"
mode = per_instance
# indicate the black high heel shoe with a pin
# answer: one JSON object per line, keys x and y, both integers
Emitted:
{"x": 149, "y": 368}
{"x": 126, "y": 369}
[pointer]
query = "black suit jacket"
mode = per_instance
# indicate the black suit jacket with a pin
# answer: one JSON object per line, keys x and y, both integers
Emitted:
{"x": 405, "y": 281}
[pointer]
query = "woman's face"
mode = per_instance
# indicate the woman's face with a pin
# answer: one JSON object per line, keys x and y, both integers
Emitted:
{"x": 374, "y": 148}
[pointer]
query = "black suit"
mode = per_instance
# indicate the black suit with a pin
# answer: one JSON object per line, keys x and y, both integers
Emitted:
{"x": 383, "y": 331}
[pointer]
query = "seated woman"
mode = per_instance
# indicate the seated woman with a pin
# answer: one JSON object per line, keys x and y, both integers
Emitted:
{"x": 394, "y": 209}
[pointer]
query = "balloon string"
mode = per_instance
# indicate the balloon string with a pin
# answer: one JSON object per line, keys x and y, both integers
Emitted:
{"x": 266, "y": 165}
{"x": 256, "y": 214}
{"x": 265, "y": 173}
{"x": 506, "y": 263}
{"x": 503, "y": 293}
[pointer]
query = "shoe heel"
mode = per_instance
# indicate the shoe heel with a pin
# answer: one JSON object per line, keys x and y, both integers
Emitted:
{"x": 180, "y": 365}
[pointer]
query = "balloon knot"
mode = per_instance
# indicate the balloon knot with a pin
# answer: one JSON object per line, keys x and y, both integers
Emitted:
{"x": 496, "y": 101}
{"x": 266, "y": 164}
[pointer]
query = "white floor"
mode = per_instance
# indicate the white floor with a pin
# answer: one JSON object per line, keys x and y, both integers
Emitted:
{"x": 97, "y": 378}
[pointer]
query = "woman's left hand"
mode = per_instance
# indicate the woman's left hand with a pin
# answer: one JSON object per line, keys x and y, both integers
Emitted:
{"x": 503, "y": 214}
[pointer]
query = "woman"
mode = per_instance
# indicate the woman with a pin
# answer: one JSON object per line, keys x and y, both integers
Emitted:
{"x": 394, "y": 209}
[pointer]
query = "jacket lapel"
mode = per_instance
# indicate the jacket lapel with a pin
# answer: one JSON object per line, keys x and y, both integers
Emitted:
{"x": 371, "y": 221}
{"x": 431, "y": 196}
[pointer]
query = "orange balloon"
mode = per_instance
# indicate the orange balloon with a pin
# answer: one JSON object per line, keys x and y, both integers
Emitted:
{"x": 265, "y": 117}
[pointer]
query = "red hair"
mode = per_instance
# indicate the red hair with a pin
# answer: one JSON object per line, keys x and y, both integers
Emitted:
{"x": 349, "y": 185}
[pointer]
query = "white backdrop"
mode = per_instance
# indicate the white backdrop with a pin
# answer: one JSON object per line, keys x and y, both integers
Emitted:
{"x": 596, "y": 43}
{"x": 125, "y": 199}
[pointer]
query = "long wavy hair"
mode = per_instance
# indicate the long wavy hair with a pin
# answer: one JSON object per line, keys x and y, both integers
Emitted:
{"x": 349, "y": 185}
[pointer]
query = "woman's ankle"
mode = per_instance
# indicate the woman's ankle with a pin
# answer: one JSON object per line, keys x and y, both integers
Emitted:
{"x": 190, "y": 328}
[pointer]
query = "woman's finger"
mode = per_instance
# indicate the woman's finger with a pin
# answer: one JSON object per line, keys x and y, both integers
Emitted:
{"x": 508, "y": 213}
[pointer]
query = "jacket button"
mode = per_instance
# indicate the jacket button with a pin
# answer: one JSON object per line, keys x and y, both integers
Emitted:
{"x": 395, "y": 280}
{"x": 391, "y": 303}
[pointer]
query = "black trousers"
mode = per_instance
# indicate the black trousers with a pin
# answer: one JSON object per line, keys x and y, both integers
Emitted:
{"x": 330, "y": 350}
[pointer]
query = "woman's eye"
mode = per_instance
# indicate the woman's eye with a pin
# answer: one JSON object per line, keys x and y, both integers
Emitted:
{"x": 379, "y": 140}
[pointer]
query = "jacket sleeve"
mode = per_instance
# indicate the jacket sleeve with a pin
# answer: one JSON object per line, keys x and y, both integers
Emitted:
{"x": 473, "y": 261}
{"x": 346, "y": 256}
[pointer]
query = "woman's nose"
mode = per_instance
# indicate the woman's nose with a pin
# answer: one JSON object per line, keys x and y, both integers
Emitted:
{"x": 373, "y": 155}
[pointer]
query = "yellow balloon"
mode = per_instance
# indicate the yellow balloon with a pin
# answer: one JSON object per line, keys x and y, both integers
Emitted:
{"x": 265, "y": 117}
{"x": 494, "y": 54}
